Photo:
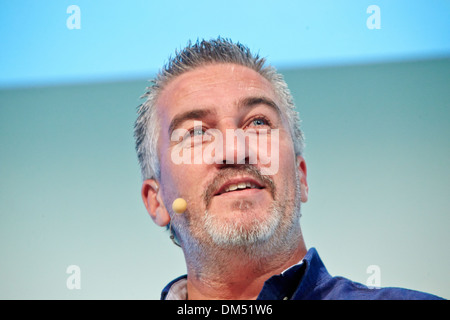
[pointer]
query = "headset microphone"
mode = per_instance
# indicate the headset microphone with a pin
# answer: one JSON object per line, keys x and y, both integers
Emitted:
{"x": 179, "y": 206}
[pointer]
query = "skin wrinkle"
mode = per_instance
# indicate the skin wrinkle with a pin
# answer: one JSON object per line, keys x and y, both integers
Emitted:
{"x": 205, "y": 112}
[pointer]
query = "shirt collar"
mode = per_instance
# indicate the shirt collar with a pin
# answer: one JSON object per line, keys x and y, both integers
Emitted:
{"x": 178, "y": 290}
{"x": 284, "y": 285}
{"x": 295, "y": 281}
{"x": 315, "y": 273}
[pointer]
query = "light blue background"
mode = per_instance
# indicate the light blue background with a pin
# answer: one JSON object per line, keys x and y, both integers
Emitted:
{"x": 129, "y": 39}
{"x": 375, "y": 106}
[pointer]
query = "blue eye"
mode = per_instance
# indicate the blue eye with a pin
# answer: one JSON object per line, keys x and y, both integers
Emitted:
{"x": 259, "y": 122}
{"x": 197, "y": 132}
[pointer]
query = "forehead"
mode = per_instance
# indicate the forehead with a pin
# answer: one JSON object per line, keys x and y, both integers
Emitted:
{"x": 215, "y": 85}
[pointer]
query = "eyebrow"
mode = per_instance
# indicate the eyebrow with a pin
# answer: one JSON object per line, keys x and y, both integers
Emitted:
{"x": 192, "y": 114}
{"x": 246, "y": 103}
{"x": 249, "y": 102}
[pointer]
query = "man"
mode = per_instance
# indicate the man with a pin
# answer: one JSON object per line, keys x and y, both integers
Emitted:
{"x": 203, "y": 135}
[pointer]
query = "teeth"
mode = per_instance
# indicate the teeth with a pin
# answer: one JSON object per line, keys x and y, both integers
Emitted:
{"x": 241, "y": 185}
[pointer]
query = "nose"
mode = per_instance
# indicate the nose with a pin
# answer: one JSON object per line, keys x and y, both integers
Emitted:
{"x": 231, "y": 145}
{"x": 236, "y": 147}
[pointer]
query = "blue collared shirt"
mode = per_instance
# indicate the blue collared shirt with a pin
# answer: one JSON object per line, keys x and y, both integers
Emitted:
{"x": 310, "y": 280}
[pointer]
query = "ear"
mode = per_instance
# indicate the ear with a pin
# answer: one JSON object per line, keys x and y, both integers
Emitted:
{"x": 301, "y": 167}
{"x": 151, "y": 195}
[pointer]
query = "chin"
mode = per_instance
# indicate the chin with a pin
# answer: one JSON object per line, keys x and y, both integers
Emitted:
{"x": 242, "y": 227}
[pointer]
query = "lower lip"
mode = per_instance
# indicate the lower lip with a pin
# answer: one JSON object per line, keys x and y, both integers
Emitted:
{"x": 240, "y": 193}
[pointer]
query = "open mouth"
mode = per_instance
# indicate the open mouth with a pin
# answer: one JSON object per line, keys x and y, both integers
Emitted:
{"x": 234, "y": 186}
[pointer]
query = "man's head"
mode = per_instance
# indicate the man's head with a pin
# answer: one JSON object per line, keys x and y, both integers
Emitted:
{"x": 231, "y": 203}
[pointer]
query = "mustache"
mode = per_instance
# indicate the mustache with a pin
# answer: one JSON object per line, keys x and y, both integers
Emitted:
{"x": 226, "y": 174}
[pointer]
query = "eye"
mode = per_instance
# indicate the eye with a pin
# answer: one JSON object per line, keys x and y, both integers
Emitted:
{"x": 197, "y": 132}
{"x": 193, "y": 137}
{"x": 259, "y": 122}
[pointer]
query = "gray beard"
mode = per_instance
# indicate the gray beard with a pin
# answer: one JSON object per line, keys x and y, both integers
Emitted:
{"x": 264, "y": 238}
{"x": 256, "y": 238}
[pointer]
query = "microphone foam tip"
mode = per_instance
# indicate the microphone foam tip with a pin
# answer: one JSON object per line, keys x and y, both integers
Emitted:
{"x": 179, "y": 205}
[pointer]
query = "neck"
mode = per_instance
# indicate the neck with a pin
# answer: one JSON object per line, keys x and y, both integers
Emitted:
{"x": 222, "y": 274}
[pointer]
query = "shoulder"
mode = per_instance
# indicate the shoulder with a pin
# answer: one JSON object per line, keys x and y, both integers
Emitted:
{"x": 342, "y": 288}
{"x": 318, "y": 284}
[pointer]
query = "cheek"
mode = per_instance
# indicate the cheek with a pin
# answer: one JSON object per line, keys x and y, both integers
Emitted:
{"x": 171, "y": 177}
{"x": 181, "y": 180}
{"x": 180, "y": 176}
{"x": 174, "y": 177}
{"x": 286, "y": 174}
{"x": 172, "y": 170}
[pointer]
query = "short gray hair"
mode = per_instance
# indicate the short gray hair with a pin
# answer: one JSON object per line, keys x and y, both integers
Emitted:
{"x": 194, "y": 55}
